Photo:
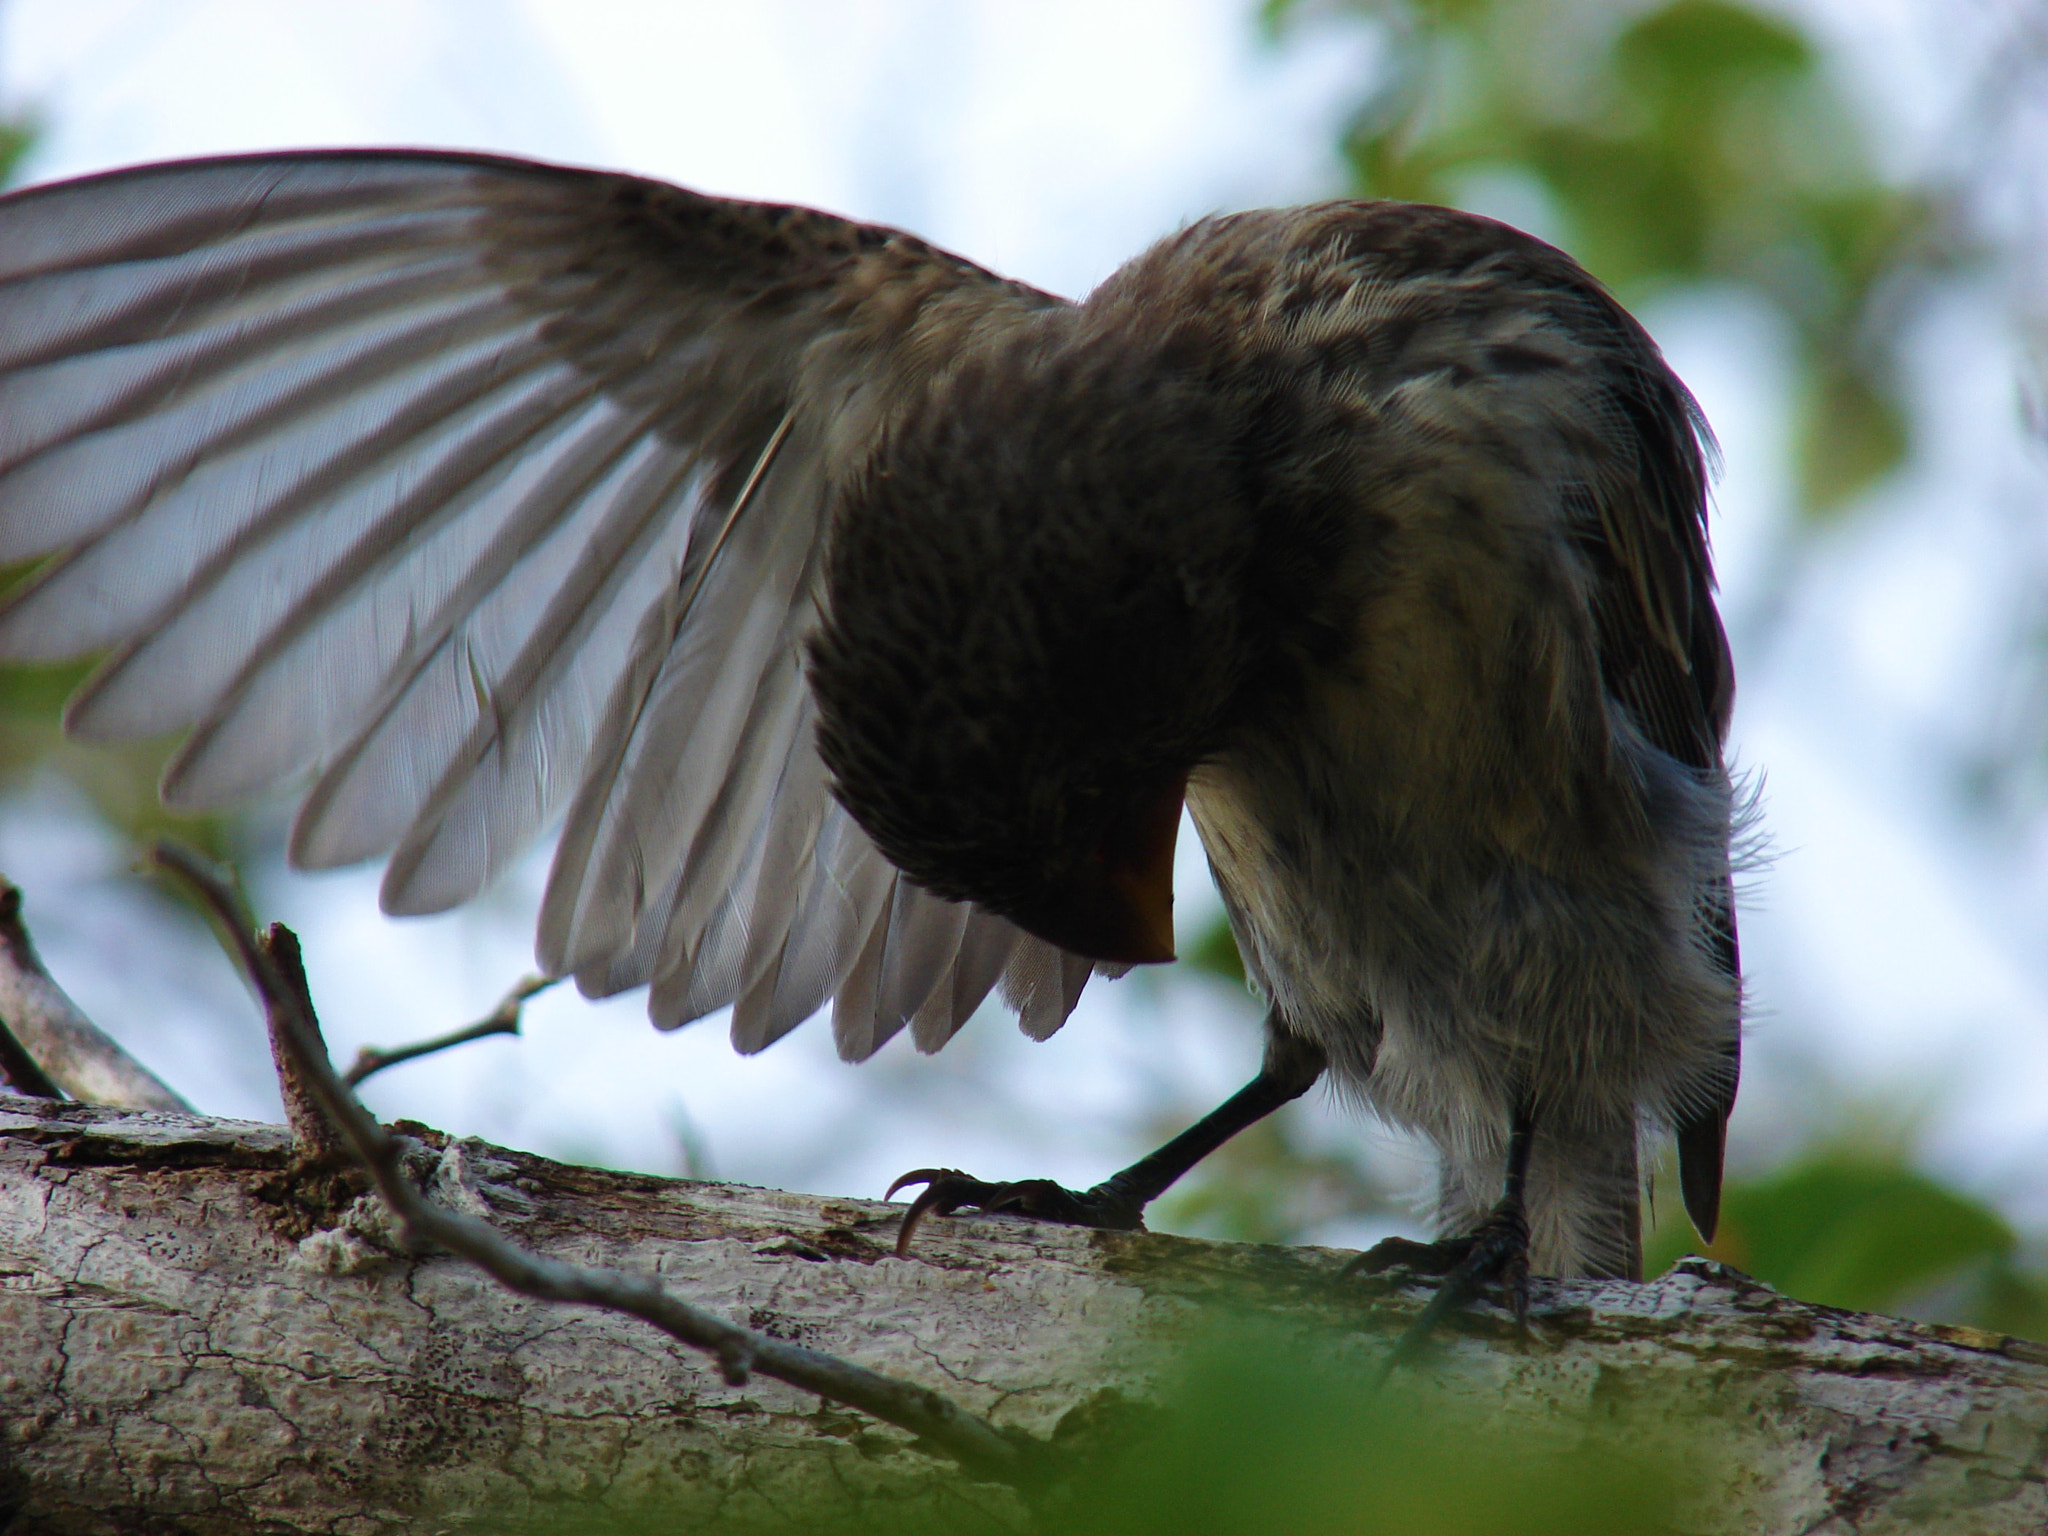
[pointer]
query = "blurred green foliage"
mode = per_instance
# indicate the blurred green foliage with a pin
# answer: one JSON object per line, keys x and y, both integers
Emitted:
{"x": 120, "y": 781}
{"x": 1693, "y": 142}
{"x": 1216, "y": 953}
{"x": 1847, "y": 1225}
{"x": 1268, "y": 1185}
{"x": 15, "y": 138}
{"x": 1257, "y": 1434}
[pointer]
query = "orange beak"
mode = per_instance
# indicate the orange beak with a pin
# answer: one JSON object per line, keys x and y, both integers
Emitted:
{"x": 1119, "y": 905}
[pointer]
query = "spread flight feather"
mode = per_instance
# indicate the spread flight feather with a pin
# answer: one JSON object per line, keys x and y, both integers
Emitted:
{"x": 489, "y": 495}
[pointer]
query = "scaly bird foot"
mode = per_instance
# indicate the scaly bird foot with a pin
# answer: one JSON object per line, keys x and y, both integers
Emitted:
{"x": 1438, "y": 1258}
{"x": 1498, "y": 1251}
{"x": 947, "y": 1190}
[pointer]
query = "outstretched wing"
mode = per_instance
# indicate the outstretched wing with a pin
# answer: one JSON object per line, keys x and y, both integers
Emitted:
{"x": 490, "y": 494}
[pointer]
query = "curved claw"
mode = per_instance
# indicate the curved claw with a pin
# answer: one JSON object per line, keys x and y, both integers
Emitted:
{"x": 922, "y": 1176}
{"x": 947, "y": 1190}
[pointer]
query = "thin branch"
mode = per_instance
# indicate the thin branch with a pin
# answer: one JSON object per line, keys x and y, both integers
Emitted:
{"x": 313, "y": 1132}
{"x": 970, "y": 1440}
{"x": 501, "y": 1020}
{"x": 73, "y": 1054}
{"x": 20, "y": 1071}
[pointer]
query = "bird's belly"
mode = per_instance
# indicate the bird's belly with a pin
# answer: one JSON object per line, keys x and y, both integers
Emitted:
{"x": 1447, "y": 976}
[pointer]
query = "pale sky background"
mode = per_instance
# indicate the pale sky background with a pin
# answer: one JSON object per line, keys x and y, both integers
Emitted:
{"x": 1897, "y": 947}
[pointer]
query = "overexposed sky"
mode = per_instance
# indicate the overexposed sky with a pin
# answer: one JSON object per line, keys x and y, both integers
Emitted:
{"x": 1893, "y": 947}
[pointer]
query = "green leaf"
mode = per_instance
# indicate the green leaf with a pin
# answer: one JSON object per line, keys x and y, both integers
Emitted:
{"x": 1849, "y": 1229}
{"x": 1215, "y": 953}
{"x": 1697, "y": 49}
{"x": 1698, "y": 142}
{"x": 1850, "y": 436}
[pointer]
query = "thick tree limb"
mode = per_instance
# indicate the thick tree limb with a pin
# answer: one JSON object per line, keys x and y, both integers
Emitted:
{"x": 194, "y": 1337}
{"x": 326, "y": 1117}
{"x": 208, "y": 1327}
{"x": 71, "y": 1051}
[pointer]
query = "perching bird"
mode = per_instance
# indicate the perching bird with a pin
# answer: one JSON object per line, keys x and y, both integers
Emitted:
{"x": 864, "y": 619}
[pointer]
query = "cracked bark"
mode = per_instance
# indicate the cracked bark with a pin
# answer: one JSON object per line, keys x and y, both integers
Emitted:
{"x": 196, "y": 1337}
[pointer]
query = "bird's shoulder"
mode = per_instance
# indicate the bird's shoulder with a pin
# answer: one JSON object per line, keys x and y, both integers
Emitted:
{"x": 1459, "y": 372}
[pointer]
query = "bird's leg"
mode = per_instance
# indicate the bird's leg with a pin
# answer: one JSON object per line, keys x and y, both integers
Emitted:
{"x": 1497, "y": 1249}
{"x": 1291, "y": 1068}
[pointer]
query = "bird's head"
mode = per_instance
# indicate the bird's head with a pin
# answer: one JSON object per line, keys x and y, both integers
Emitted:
{"x": 1035, "y": 628}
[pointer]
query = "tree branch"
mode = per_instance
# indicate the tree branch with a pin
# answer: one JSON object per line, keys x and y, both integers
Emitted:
{"x": 73, "y": 1053}
{"x": 21, "y": 1071}
{"x": 739, "y": 1351}
{"x": 199, "y": 1330}
{"x": 196, "y": 1338}
{"x": 501, "y": 1020}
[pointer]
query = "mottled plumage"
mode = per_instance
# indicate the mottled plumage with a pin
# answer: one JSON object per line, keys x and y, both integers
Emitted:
{"x": 862, "y": 617}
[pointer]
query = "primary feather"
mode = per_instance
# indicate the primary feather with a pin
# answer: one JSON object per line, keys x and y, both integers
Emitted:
{"x": 419, "y": 473}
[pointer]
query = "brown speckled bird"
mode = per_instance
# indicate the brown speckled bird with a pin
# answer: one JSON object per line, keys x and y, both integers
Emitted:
{"x": 865, "y": 619}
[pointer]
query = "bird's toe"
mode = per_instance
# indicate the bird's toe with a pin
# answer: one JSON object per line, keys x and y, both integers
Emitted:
{"x": 1402, "y": 1253}
{"x": 1496, "y": 1251}
{"x": 947, "y": 1190}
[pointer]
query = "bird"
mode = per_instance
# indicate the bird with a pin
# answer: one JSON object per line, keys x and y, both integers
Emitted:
{"x": 860, "y": 622}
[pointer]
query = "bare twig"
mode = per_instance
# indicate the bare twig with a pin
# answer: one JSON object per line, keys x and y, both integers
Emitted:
{"x": 313, "y": 1135}
{"x": 313, "y": 1132}
{"x": 501, "y": 1020}
{"x": 74, "y": 1054}
{"x": 20, "y": 1071}
{"x": 970, "y": 1440}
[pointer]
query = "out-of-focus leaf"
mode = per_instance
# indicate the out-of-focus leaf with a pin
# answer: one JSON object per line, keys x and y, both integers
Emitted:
{"x": 119, "y": 780}
{"x": 15, "y": 138}
{"x": 1859, "y": 1235}
{"x": 1699, "y": 141}
{"x": 1850, "y": 437}
{"x": 1849, "y": 1229}
{"x": 1215, "y": 953}
{"x": 2009, "y": 1300}
{"x": 1263, "y": 1435}
{"x": 1266, "y": 1185}
{"x": 1697, "y": 51}
{"x": 31, "y": 696}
